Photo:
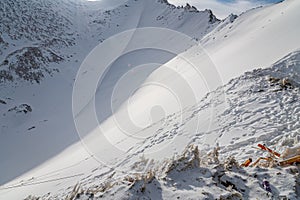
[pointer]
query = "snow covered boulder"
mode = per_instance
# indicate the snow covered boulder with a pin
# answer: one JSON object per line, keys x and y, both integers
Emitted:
{"x": 189, "y": 159}
{"x": 231, "y": 196}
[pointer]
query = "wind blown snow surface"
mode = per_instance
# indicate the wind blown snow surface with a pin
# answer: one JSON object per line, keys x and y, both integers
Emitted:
{"x": 169, "y": 152}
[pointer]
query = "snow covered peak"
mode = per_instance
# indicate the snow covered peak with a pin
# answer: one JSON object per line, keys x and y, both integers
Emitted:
{"x": 59, "y": 27}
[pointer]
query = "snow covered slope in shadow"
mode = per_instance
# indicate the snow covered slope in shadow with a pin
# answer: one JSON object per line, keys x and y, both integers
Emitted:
{"x": 54, "y": 39}
{"x": 258, "y": 107}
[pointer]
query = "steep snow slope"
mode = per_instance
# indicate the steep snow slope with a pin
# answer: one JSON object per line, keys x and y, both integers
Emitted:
{"x": 203, "y": 75}
{"x": 54, "y": 38}
{"x": 254, "y": 108}
{"x": 165, "y": 138}
{"x": 257, "y": 38}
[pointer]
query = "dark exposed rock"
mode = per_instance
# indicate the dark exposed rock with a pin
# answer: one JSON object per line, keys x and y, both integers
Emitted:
{"x": 33, "y": 127}
{"x": 2, "y": 101}
{"x": 28, "y": 63}
{"x": 23, "y": 108}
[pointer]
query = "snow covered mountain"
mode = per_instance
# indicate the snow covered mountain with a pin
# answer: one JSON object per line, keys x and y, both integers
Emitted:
{"x": 257, "y": 109}
{"x": 35, "y": 33}
{"x": 145, "y": 123}
{"x": 44, "y": 37}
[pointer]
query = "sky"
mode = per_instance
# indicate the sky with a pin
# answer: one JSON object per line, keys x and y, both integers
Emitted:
{"x": 222, "y": 8}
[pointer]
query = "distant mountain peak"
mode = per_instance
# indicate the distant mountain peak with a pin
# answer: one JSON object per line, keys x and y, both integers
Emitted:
{"x": 62, "y": 25}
